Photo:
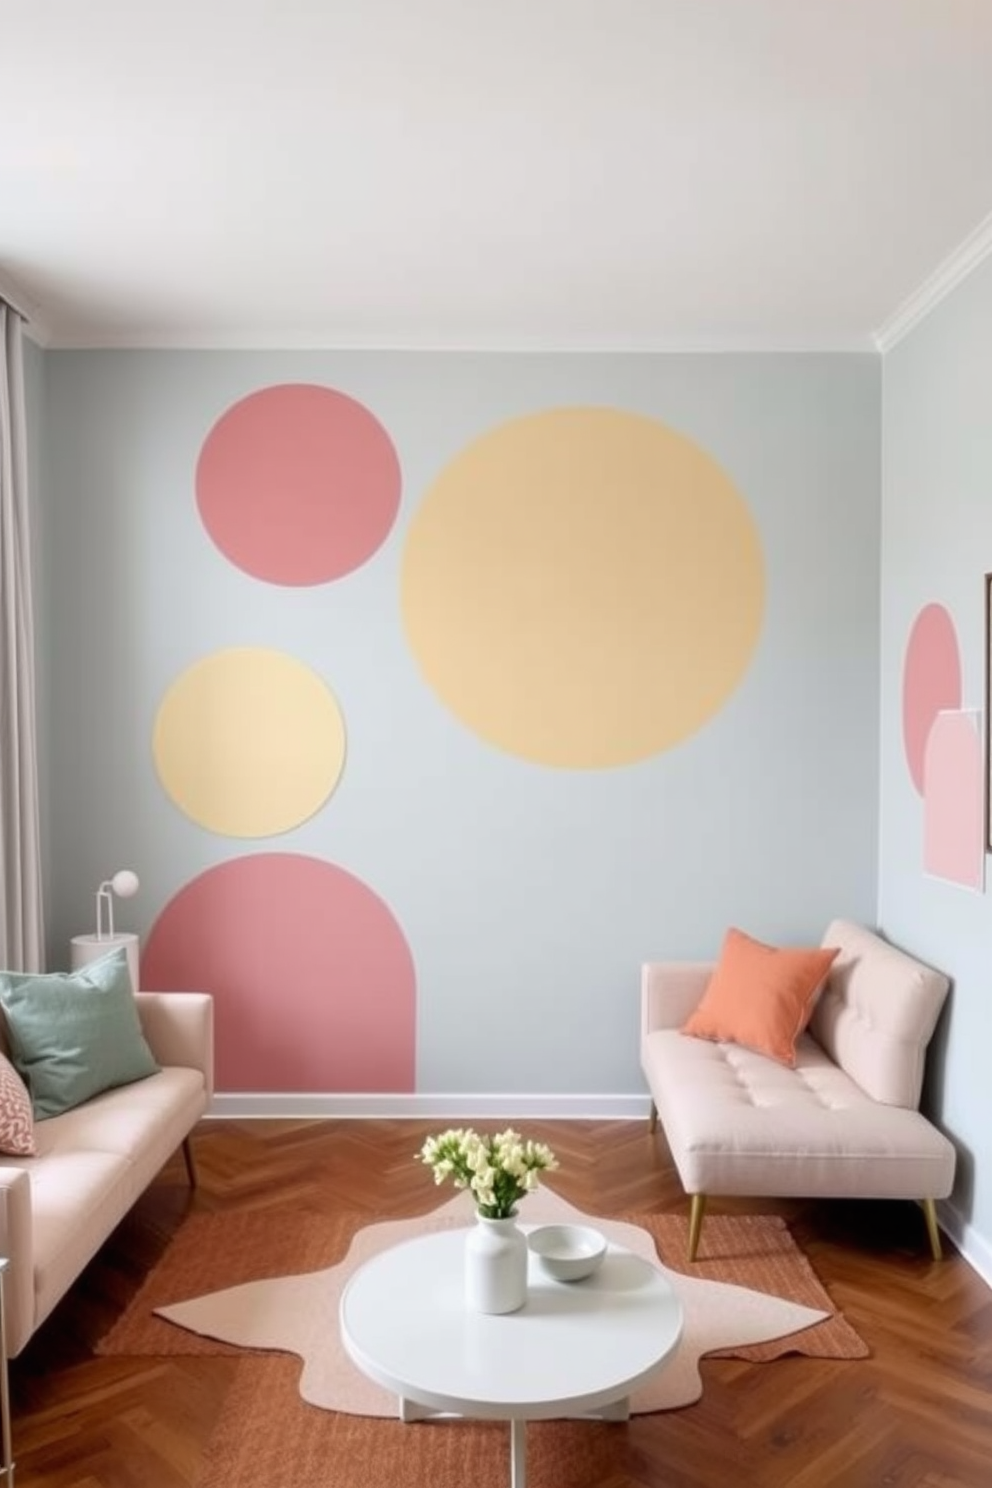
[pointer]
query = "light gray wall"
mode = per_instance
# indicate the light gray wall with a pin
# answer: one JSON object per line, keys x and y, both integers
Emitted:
{"x": 936, "y": 547}
{"x": 528, "y": 896}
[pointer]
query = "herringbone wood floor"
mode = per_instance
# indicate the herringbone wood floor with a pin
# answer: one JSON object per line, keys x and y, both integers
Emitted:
{"x": 917, "y": 1414}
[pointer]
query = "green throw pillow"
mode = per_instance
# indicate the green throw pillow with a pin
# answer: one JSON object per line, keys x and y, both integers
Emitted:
{"x": 74, "y": 1034}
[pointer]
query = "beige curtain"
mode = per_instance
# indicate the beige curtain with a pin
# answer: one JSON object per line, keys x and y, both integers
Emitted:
{"x": 21, "y": 919}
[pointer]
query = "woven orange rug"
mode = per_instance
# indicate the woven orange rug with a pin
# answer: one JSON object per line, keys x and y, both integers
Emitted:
{"x": 269, "y": 1431}
{"x": 271, "y": 1279}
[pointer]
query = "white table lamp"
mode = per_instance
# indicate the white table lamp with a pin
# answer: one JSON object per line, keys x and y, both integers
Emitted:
{"x": 85, "y": 948}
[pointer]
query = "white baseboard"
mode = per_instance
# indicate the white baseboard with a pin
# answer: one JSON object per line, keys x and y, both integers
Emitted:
{"x": 436, "y": 1107}
{"x": 974, "y": 1247}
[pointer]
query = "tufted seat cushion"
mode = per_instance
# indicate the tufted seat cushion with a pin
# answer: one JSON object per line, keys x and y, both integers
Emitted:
{"x": 739, "y": 1123}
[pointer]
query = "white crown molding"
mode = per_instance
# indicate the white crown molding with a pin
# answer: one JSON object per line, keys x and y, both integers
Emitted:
{"x": 484, "y": 344}
{"x": 29, "y": 311}
{"x": 434, "y": 1107}
{"x": 947, "y": 276}
{"x": 38, "y": 333}
{"x": 15, "y": 298}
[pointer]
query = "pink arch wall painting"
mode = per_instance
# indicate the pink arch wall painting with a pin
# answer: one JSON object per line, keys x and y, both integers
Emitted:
{"x": 931, "y": 682}
{"x": 943, "y": 749}
{"x": 313, "y": 980}
{"x": 298, "y": 484}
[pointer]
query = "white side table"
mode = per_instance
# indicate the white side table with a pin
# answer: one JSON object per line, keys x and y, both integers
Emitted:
{"x": 86, "y": 948}
{"x": 575, "y": 1348}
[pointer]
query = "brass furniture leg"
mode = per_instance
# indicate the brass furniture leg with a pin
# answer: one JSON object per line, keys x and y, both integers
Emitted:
{"x": 191, "y": 1172}
{"x": 930, "y": 1215}
{"x": 696, "y": 1222}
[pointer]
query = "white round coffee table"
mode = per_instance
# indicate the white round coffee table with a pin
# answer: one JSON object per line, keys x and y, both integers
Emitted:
{"x": 576, "y": 1348}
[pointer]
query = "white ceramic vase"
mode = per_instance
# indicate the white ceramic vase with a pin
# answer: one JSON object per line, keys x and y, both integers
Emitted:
{"x": 495, "y": 1266}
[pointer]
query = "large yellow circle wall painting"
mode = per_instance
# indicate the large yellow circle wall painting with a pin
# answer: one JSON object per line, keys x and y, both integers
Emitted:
{"x": 249, "y": 742}
{"x": 583, "y": 587}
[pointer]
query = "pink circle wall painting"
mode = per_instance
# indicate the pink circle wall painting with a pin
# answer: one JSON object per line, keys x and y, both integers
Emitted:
{"x": 298, "y": 484}
{"x": 313, "y": 982}
{"x": 931, "y": 683}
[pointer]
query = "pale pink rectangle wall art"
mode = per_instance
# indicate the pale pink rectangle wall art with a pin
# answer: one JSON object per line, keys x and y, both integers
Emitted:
{"x": 954, "y": 799}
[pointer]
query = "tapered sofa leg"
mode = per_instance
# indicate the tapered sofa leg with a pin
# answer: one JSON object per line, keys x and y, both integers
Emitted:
{"x": 653, "y": 1119}
{"x": 933, "y": 1231}
{"x": 191, "y": 1172}
{"x": 6, "y": 1429}
{"x": 696, "y": 1212}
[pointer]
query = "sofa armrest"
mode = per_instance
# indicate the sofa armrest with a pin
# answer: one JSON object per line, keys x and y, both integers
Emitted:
{"x": 17, "y": 1245}
{"x": 179, "y": 1027}
{"x": 669, "y": 992}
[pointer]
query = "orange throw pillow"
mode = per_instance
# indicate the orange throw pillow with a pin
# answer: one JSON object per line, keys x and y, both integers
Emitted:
{"x": 761, "y": 997}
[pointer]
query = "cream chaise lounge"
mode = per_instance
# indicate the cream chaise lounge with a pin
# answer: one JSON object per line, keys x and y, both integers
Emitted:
{"x": 844, "y": 1123}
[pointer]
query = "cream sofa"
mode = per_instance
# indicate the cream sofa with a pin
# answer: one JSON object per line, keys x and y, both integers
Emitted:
{"x": 58, "y": 1207}
{"x": 843, "y": 1124}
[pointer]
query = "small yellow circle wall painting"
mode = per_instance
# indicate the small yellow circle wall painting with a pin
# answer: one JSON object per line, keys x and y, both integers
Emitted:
{"x": 583, "y": 587}
{"x": 249, "y": 742}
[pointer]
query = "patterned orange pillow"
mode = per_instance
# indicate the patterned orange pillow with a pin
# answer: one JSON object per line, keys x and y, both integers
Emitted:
{"x": 761, "y": 997}
{"x": 16, "y": 1115}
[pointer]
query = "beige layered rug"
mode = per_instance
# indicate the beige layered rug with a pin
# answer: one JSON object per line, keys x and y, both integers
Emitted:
{"x": 271, "y": 1280}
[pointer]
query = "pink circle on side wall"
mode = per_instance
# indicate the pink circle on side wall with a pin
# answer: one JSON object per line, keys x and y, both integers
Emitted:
{"x": 313, "y": 981}
{"x": 931, "y": 681}
{"x": 298, "y": 484}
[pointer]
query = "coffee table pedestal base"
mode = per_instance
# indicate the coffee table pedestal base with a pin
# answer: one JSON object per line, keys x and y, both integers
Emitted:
{"x": 615, "y": 1410}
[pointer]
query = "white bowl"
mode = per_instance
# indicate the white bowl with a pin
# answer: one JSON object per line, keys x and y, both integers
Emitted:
{"x": 567, "y": 1252}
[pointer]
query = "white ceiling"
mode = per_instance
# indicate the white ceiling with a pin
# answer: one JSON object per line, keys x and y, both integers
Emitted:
{"x": 629, "y": 174}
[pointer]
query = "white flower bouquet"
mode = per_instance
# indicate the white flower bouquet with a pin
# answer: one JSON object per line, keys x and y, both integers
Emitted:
{"x": 498, "y": 1169}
